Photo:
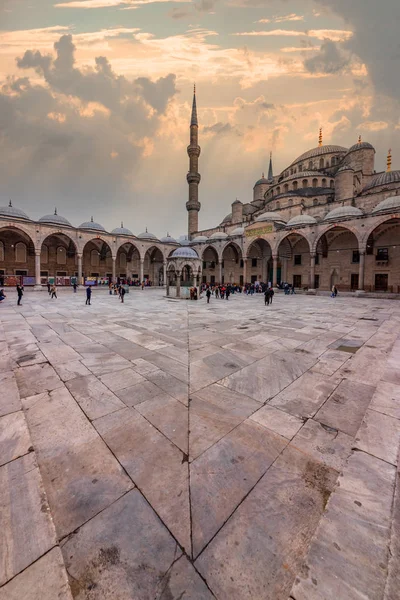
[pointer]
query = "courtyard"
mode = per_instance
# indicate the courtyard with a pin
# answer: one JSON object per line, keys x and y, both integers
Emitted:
{"x": 163, "y": 449}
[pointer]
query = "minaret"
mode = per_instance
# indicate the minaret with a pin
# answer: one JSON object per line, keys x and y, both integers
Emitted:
{"x": 270, "y": 171}
{"x": 193, "y": 177}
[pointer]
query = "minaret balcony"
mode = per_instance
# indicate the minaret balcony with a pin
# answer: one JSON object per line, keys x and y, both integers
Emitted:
{"x": 193, "y": 205}
{"x": 193, "y": 150}
{"x": 193, "y": 177}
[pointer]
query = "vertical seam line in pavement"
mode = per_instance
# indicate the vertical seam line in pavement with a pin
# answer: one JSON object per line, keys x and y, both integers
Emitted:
{"x": 188, "y": 432}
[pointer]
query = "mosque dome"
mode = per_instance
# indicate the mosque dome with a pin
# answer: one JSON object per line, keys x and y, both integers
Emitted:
{"x": 302, "y": 175}
{"x": 343, "y": 212}
{"x": 301, "y": 220}
{"x": 392, "y": 204}
{"x": 199, "y": 239}
{"x": 91, "y": 225}
{"x": 262, "y": 181}
{"x": 237, "y": 201}
{"x": 237, "y": 231}
{"x": 55, "y": 220}
{"x": 218, "y": 235}
{"x": 319, "y": 151}
{"x": 183, "y": 240}
{"x": 270, "y": 216}
{"x": 361, "y": 146}
{"x": 13, "y": 213}
{"x": 383, "y": 179}
{"x": 122, "y": 230}
{"x": 147, "y": 236}
{"x": 168, "y": 239}
{"x": 184, "y": 252}
{"x": 227, "y": 218}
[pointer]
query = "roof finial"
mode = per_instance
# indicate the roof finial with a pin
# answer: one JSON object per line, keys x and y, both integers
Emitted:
{"x": 193, "y": 120}
{"x": 55, "y": 212}
{"x": 91, "y": 219}
{"x": 10, "y": 204}
{"x": 263, "y": 174}
{"x": 167, "y": 231}
{"x": 122, "y": 224}
{"x": 194, "y": 88}
{"x": 359, "y": 139}
{"x": 320, "y": 137}
{"x": 270, "y": 171}
{"x": 389, "y": 161}
{"x": 146, "y": 230}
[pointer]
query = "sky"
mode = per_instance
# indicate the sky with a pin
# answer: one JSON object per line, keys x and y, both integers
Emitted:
{"x": 95, "y": 99}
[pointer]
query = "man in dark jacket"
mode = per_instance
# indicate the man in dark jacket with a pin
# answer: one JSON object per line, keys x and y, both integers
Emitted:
{"x": 88, "y": 294}
{"x": 20, "y": 292}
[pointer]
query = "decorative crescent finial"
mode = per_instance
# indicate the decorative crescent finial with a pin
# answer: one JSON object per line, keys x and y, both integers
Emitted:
{"x": 389, "y": 161}
{"x": 55, "y": 212}
{"x": 263, "y": 174}
{"x": 91, "y": 219}
{"x": 194, "y": 88}
{"x": 359, "y": 139}
{"x": 10, "y": 204}
{"x": 146, "y": 230}
{"x": 320, "y": 137}
{"x": 122, "y": 224}
{"x": 270, "y": 154}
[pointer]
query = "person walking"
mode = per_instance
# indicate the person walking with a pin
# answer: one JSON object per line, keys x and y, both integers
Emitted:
{"x": 227, "y": 293}
{"x": 267, "y": 297}
{"x": 75, "y": 286}
{"x": 20, "y": 292}
{"x": 271, "y": 294}
{"x": 122, "y": 293}
{"x": 88, "y": 294}
{"x": 110, "y": 287}
{"x": 53, "y": 291}
{"x": 49, "y": 288}
{"x": 208, "y": 294}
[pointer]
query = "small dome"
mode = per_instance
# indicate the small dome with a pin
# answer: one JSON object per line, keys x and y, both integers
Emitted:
{"x": 227, "y": 218}
{"x": 319, "y": 151}
{"x": 383, "y": 179}
{"x": 168, "y": 239}
{"x": 361, "y": 146}
{"x": 237, "y": 231}
{"x": 345, "y": 168}
{"x": 392, "y": 204}
{"x": 184, "y": 252}
{"x": 270, "y": 216}
{"x": 301, "y": 220}
{"x": 237, "y": 201}
{"x": 262, "y": 181}
{"x": 147, "y": 236}
{"x": 218, "y": 235}
{"x": 343, "y": 212}
{"x": 122, "y": 230}
{"x": 199, "y": 239}
{"x": 91, "y": 225}
{"x": 55, "y": 219}
{"x": 13, "y": 213}
{"x": 183, "y": 240}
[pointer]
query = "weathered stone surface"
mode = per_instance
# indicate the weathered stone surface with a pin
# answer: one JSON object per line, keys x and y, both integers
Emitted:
{"x": 278, "y": 421}
{"x": 224, "y": 474}
{"x": 46, "y": 579}
{"x": 9, "y": 397}
{"x": 125, "y": 552}
{"x": 345, "y": 409}
{"x": 135, "y": 394}
{"x": 71, "y": 369}
{"x": 169, "y": 416}
{"x": 156, "y": 466}
{"x": 387, "y": 399}
{"x": 37, "y": 379}
{"x": 15, "y": 440}
{"x": 121, "y": 379}
{"x": 349, "y": 554}
{"x": 95, "y": 399}
{"x": 80, "y": 474}
{"x": 182, "y": 582}
{"x": 26, "y": 528}
{"x": 379, "y": 435}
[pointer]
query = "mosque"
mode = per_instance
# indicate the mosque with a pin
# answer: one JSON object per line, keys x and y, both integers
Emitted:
{"x": 327, "y": 219}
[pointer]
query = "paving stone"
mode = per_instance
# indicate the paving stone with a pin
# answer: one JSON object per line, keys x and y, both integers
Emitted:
{"x": 121, "y": 379}
{"x": 80, "y": 473}
{"x": 46, "y": 579}
{"x": 71, "y": 369}
{"x": 135, "y": 394}
{"x": 169, "y": 416}
{"x": 174, "y": 387}
{"x": 345, "y": 409}
{"x": 183, "y": 582}
{"x": 278, "y": 421}
{"x": 15, "y": 440}
{"x": 225, "y": 473}
{"x": 379, "y": 435}
{"x": 349, "y": 554}
{"x": 23, "y": 540}
{"x": 106, "y": 363}
{"x": 386, "y": 399}
{"x": 36, "y": 379}
{"x": 125, "y": 552}
{"x": 155, "y": 465}
{"x": 9, "y": 397}
{"x": 95, "y": 399}
{"x": 58, "y": 353}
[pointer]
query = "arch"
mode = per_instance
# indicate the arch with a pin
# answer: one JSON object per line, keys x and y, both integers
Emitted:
{"x": 261, "y": 243}
{"x": 321, "y": 163}
{"x": 288, "y": 237}
{"x": 1, "y": 251}
{"x": 20, "y": 252}
{"x": 332, "y": 184}
{"x": 236, "y": 248}
{"x": 61, "y": 255}
{"x": 326, "y": 230}
{"x": 278, "y": 190}
{"x": 305, "y": 183}
{"x": 24, "y": 232}
{"x": 377, "y": 223}
{"x": 323, "y": 182}
{"x": 122, "y": 243}
{"x": 97, "y": 258}
{"x": 315, "y": 183}
{"x": 213, "y": 249}
{"x": 295, "y": 185}
{"x": 285, "y": 188}
{"x": 310, "y": 165}
{"x": 67, "y": 240}
{"x": 44, "y": 255}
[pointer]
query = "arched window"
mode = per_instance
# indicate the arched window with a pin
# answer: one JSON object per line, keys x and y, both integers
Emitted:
{"x": 61, "y": 255}
{"x": 332, "y": 184}
{"x": 278, "y": 205}
{"x": 44, "y": 255}
{"x": 305, "y": 183}
{"x": 315, "y": 183}
{"x": 321, "y": 163}
{"x": 295, "y": 184}
{"x": 300, "y": 168}
{"x": 109, "y": 260}
{"x": 1, "y": 252}
{"x": 278, "y": 190}
{"x": 310, "y": 165}
{"x": 290, "y": 203}
{"x": 122, "y": 259}
{"x": 95, "y": 258}
{"x": 315, "y": 202}
{"x": 291, "y": 171}
{"x": 20, "y": 252}
{"x": 286, "y": 188}
{"x": 333, "y": 161}
{"x": 324, "y": 183}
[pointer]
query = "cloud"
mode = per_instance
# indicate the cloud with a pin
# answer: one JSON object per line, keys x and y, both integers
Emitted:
{"x": 283, "y": 19}
{"x": 222, "y": 129}
{"x": 123, "y": 4}
{"x": 330, "y": 59}
{"x": 320, "y": 34}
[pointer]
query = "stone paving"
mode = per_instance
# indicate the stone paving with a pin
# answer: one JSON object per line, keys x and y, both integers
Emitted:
{"x": 165, "y": 450}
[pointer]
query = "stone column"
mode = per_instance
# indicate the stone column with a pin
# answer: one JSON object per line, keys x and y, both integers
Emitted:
{"x": 114, "y": 269}
{"x": 284, "y": 269}
{"x": 165, "y": 272}
{"x": 274, "y": 271}
{"x": 141, "y": 270}
{"x": 311, "y": 286}
{"x": 361, "y": 274}
{"x": 79, "y": 269}
{"x": 178, "y": 285}
{"x": 245, "y": 271}
{"x": 220, "y": 270}
{"x": 38, "y": 285}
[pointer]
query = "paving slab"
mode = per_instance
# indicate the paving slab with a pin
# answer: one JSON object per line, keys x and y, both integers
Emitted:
{"x": 169, "y": 416}
{"x": 95, "y": 399}
{"x": 9, "y": 397}
{"x": 379, "y": 435}
{"x": 15, "y": 440}
{"x": 278, "y": 421}
{"x": 36, "y": 379}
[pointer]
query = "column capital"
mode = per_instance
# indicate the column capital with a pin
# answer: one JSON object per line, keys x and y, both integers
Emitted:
{"x": 38, "y": 252}
{"x": 361, "y": 252}
{"x": 275, "y": 256}
{"x": 313, "y": 254}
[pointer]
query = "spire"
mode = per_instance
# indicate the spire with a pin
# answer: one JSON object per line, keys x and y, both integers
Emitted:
{"x": 122, "y": 224}
{"x": 320, "y": 137}
{"x": 389, "y": 161}
{"x": 262, "y": 175}
{"x": 270, "y": 172}
{"x": 55, "y": 212}
{"x": 10, "y": 204}
{"x": 193, "y": 120}
{"x": 91, "y": 219}
{"x": 359, "y": 139}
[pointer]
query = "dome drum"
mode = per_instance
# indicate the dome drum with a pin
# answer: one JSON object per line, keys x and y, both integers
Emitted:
{"x": 391, "y": 204}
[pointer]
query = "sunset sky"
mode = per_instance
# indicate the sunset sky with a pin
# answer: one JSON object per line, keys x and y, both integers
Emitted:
{"x": 95, "y": 99}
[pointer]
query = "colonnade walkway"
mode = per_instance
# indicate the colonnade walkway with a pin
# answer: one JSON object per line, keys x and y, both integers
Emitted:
{"x": 168, "y": 449}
